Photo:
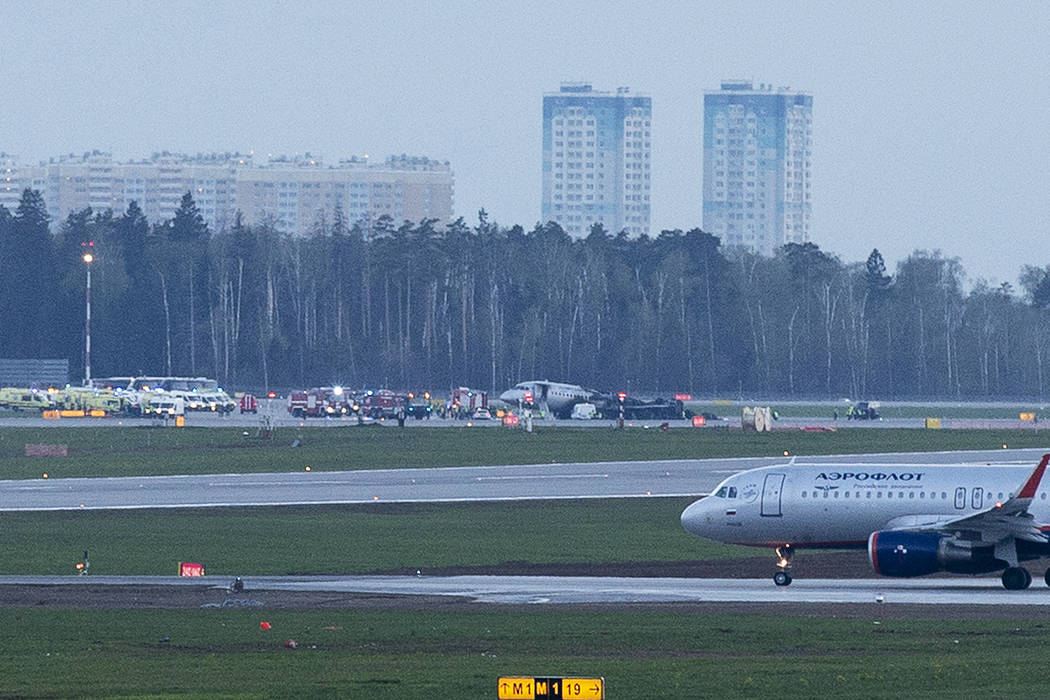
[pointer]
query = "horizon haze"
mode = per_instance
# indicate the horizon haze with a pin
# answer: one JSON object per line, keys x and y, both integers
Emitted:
{"x": 927, "y": 119}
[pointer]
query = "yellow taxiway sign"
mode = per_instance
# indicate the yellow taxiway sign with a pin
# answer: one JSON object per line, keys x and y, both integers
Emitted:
{"x": 546, "y": 688}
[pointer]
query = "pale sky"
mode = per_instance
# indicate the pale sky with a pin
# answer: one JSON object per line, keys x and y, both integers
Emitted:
{"x": 930, "y": 119}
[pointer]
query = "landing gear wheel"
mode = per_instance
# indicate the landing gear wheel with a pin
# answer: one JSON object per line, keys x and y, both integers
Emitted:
{"x": 1016, "y": 578}
{"x": 1046, "y": 577}
{"x": 783, "y": 575}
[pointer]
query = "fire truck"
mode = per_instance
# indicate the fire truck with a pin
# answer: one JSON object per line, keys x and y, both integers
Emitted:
{"x": 383, "y": 403}
{"x": 249, "y": 404}
{"x": 319, "y": 402}
{"x": 465, "y": 402}
{"x": 471, "y": 399}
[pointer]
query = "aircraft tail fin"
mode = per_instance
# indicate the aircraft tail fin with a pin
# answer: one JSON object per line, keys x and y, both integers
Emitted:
{"x": 1032, "y": 485}
{"x": 1020, "y": 502}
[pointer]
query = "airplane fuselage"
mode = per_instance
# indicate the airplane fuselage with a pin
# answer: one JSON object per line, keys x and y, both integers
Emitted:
{"x": 557, "y": 397}
{"x": 841, "y": 505}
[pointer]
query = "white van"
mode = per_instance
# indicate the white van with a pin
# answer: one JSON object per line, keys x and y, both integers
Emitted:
{"x": 164, "y": 406}
{"x": 584, "y": 411}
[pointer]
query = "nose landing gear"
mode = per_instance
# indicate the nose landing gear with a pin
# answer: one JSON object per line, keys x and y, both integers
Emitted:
{"x": 783, "y": 575}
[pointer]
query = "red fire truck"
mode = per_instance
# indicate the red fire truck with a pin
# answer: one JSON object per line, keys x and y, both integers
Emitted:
{"x": 249, "y": 404}
{"x": 383, "y": 403}
{"x": 319, "y": 402}
{"x": 465, "y": 402}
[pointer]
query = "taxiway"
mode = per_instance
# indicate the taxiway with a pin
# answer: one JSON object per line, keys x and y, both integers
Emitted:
{"x": 580, "y": 590}
{"x": 640, "y": 479}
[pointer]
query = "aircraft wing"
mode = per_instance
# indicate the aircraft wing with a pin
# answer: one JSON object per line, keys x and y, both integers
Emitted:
{"x": 1009, "y": 519}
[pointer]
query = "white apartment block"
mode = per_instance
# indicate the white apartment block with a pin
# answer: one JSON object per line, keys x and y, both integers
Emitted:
{"x": 757, "y": 156}
{"x": 293, "y": 194}
{"x": 596, "y": 160}
{"x": 15, "y": 177}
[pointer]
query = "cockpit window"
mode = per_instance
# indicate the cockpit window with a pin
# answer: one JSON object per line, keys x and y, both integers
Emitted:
{"x": 721, "y": 493}
{"x": 732, "y": 492}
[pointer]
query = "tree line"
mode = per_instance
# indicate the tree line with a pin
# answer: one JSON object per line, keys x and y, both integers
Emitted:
{"x": 416, "y": 305}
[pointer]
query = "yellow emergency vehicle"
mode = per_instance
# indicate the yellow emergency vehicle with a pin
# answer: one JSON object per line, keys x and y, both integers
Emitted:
{"x": 20, "y": 399}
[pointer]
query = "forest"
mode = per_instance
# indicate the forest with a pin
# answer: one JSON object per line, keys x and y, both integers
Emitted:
{"x": 418, "y": 305}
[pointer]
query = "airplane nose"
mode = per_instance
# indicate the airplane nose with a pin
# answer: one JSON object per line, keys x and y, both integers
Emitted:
{"x": 693, "y": 518}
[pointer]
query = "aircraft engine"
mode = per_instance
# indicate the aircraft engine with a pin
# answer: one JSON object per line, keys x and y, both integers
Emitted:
{"x": 901, "y": 553}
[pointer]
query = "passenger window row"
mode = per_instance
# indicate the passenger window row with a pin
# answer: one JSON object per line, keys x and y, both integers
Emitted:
{"x": 979, "y": 495}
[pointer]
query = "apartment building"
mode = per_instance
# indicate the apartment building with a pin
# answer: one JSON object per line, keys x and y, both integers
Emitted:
{"x": 596, "y": 159}
{"x": 293, "y": 194}
{"x": 757, "y": 158}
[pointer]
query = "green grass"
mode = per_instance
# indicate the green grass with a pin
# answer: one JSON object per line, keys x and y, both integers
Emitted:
{"x": 394, "y": 654}
{"x": 353, "y": 539}
{"x": 133, "y": 451}
{"x": 387, "y": 654}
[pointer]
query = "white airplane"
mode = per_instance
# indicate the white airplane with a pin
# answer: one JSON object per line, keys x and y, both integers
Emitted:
{"x": 914, "y": 519}
{"x": 554, "y": 397}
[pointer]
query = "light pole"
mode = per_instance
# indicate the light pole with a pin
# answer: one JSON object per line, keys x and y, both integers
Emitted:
{"x": 88, "y": 258}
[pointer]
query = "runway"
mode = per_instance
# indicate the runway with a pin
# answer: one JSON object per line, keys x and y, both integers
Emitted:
{"x": 545, "y": 481}
{"x": 579, "y": 589}
{"x": 448, "y": 484}
{"x": 545, "y": 590}
{"x": 640, "y": 479}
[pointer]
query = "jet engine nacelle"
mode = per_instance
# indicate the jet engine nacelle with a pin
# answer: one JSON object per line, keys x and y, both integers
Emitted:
{"x": 902, "y": 554}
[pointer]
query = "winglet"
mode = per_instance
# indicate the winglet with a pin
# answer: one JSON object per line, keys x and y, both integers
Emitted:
{"x": 1029, "y": 489}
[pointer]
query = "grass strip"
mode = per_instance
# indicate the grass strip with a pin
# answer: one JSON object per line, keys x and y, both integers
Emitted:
{"x": 139, "y": 451}
{"x": 394, "y": 654}
{"x": 353, "y": 539}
